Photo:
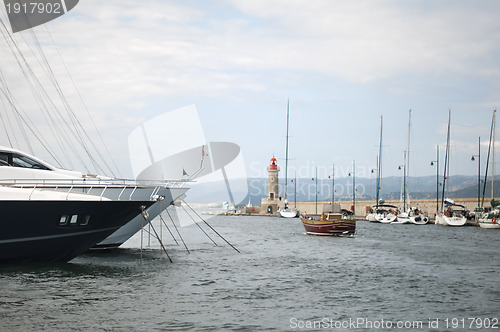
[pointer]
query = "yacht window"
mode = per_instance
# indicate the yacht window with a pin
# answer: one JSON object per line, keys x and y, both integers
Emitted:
{"x": 23, "y": 161}
{"x": 74, "y": 219}
{"x": 4, "y": 159}
{"x": 64, "y": 220}
{"x": 83, "y": 220}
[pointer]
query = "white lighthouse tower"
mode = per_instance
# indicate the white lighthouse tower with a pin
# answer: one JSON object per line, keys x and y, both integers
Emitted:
{"x": 269, "y": 205}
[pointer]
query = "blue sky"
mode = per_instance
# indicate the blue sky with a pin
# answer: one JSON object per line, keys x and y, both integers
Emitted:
{"x": 342, "y": 64}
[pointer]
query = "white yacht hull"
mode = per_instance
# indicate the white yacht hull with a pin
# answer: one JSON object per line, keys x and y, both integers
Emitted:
{"x": 288, "y": 213}
{"x": 401, "y": 220}
{"x": 386, "y": 218}
{"x": 488, "y": 224}
{"x": 419, "y": 220}
{"x": 450, "y": 221}
{"x": 416, "y": 219}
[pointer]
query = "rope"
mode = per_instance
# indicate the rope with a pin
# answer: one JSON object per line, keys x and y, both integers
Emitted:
{"x": 206, "y": 223}
{"x": 180, "y": 236}
{"x": 145, "y": 216}
{"x": 198, "y": 225}
{"x": 171, "y": 234}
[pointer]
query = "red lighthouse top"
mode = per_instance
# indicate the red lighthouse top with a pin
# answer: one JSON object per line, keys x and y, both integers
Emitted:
{"x": 273, "y": 166}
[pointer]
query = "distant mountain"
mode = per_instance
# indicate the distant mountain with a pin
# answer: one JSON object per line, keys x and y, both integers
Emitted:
{"x": 254, "y": 189}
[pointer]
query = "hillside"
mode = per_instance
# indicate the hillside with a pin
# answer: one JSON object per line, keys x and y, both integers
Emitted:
{"x": 254, "y": 189}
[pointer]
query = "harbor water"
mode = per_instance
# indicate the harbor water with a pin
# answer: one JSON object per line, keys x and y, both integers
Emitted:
{"x": 385, "y": 278}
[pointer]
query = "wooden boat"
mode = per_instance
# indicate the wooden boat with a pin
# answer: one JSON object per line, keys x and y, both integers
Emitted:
{"x": 329, "y": 223}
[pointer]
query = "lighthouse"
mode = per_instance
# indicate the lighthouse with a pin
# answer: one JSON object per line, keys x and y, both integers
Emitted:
{"x": 269, "y": 205}
{"x": 272, "y": 181}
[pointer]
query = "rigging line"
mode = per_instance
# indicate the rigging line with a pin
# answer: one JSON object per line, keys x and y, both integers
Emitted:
{"x": 16, "y": 119}
{"x": 76, "y": 122}
{"x": 36, "y": 80}
{"x": 18, "y": 114}
{"x": 211, "y": 227}
{"x": 198, "y": 225}
{"x": 171, "y": 234}
{"x": 4, "y": 124}
{"x": 37, "y": 92}
{"x": 52, "y": 79}
{"x": 84, "y": 105}
{"x": 57, "y": 134}
{"x": 16, "y": 111}
{"x": 175, "y": 226}
{"x": 145, "y": 216}
{"x": 7, "y": 89}
{"x": 163, "y": 221}
{"x": 9, "y": 125}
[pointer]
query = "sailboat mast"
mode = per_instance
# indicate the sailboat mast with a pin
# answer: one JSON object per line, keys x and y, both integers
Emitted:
{"x": 493, "y": 157}
{"x": 286, "y": 145}
{"x": 492, "y": 142}
{"x": 446, "y": 156}
{"x": 407, "y": 158}
{"x": 379, "y": 177}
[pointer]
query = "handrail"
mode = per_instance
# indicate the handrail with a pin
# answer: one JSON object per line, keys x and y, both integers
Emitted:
{"x": 133, "y": 191}
{"x": 70, "y": 186}
{"x": 31, "y": 193}
{"x": 94, "y": 182}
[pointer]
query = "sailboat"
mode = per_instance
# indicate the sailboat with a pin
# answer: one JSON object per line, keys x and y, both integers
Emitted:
{"x": 454, "y": 215}
{"x": 381, "y": 212}
{"x": 286, "y": 212}
{"x": 410, "y": 215}
{"x": 491, "y": 219}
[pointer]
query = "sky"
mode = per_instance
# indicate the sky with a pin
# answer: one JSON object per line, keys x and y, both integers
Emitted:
{"x": 341, "y": 64}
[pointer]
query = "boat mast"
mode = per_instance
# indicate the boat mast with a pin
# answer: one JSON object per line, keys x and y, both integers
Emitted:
{"x": 407, "y": 158}
{"x": 379, "y": 168}
{"x": 403, "y": 192}
{"x": 286, "y": 147}
{"x": 446, "y": 169}
{"x": 492, "y": 142}
{"x": 493, "y": 157}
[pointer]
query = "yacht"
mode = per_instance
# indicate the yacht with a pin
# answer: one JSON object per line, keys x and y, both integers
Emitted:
{"x": 46, "y": 225}
{"x": 21, "y": 170}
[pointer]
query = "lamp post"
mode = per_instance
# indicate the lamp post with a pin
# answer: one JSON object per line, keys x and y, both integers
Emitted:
{"x": 294, "y": 181}
{"x": 437, "y": 178}
{"x": 404, "y": 181}
{"x": 316, "y": 188}
{"x": 478, "y": 173}
{"x": 333, "y": 186}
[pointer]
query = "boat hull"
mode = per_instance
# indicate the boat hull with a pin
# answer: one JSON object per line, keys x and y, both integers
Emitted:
{"x": 133, "y": 226}
{"x": 34, "y": 231}
{"x": 288, "y": 213}
{"x": 488, "y": 224}
{"x": 345, "y": 226}
{"x": 386, "y": 218}
{"x": 450, "y": 221}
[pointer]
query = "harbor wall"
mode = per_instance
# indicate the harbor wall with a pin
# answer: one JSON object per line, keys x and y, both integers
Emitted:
{"x": 428, "y": 206}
